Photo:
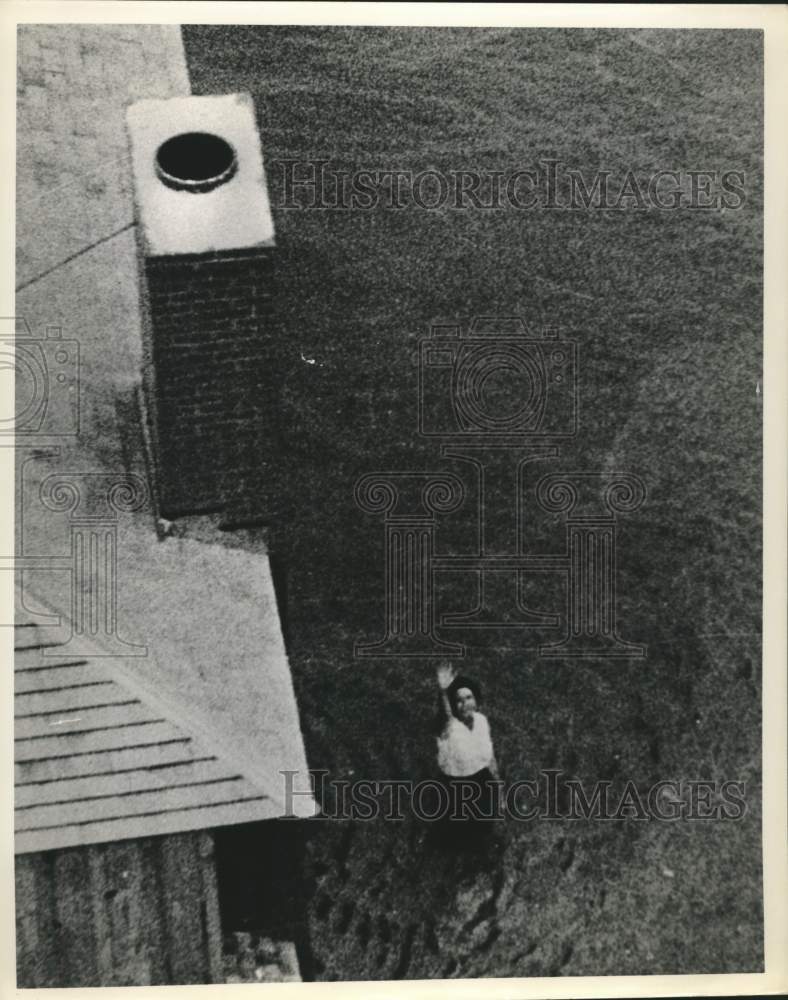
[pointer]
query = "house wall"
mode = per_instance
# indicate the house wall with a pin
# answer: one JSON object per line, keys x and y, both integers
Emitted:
{"x": 129, "y": 913}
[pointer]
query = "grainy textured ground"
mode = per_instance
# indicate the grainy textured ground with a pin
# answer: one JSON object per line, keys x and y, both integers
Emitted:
{"x": 667, "y": 310}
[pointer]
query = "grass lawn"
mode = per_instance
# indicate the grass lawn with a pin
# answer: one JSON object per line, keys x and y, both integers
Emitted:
{"x": 666, "y": 309}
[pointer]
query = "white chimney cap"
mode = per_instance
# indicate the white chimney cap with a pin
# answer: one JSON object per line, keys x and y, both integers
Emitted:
{"x": 199, "y": 182}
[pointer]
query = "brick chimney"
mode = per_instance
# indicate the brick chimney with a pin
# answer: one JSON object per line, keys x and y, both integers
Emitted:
{"x": 205, "y": 247}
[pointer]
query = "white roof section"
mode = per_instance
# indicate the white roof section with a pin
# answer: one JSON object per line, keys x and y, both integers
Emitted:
{"x": 110, "y": 748}
{"x": 206, "y": 665}
{"x": 234, "y": 216}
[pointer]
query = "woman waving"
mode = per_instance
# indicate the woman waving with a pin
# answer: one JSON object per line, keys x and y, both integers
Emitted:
{"x": 465, "y": 752}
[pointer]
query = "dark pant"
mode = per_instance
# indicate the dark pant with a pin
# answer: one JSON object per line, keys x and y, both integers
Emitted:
{"x": 472, "y": 809}
{"x": 472, "y": 798}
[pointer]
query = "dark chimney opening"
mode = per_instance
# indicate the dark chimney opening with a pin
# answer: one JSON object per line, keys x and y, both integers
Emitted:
{"x": 195, "y": 161}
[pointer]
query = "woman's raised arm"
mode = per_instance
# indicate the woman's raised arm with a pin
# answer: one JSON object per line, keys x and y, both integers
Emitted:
{"x": 445, "y": 674}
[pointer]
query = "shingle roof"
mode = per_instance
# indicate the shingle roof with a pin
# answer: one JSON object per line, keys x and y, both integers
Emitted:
{"x": 100, "y": 757}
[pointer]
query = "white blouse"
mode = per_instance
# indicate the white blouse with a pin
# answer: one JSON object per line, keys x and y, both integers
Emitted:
{"x": 463, "y": 751}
